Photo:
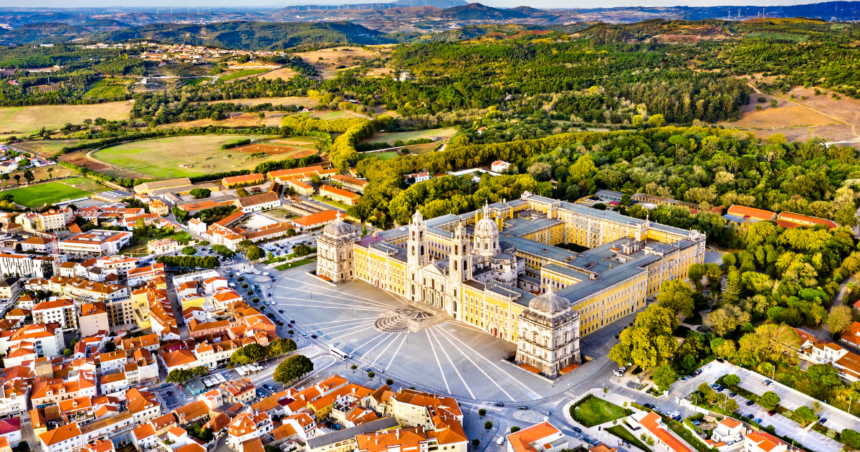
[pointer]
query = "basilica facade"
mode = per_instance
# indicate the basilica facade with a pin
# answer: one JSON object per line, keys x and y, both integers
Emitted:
{"x": 498, "y": 269}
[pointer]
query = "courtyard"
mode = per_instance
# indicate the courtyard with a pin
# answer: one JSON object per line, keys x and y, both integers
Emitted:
{"x": 449, "y": 357}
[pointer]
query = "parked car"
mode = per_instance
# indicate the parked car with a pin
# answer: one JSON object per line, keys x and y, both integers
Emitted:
{"x": 771, "y": 412}
{"x": 685, "y": 378}
{"x": 758, "y": 421}
{"x": 822, "y": 420}
{"x": 546, "y": 413}
{"x": 498, "y": 404}
{"x": 523, "y": 407}
{"x": 577, "y": 430}
{"x": 749, "y": 416}
{"x": 750, "y": 403}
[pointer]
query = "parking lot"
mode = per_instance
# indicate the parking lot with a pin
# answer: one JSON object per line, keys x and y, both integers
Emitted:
{"x": 836, "y": 419}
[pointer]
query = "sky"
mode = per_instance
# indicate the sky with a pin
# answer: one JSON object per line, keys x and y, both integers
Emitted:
{"x": 495, "y": 3}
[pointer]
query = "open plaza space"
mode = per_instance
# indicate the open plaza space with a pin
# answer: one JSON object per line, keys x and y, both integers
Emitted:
{"x": 451, "y": 357}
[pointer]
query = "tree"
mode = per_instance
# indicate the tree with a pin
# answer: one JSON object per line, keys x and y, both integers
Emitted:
{"x": 292, "y": 368}
{"x": 488, "y": 425}
{"x": 824, "y": 376}
{"x": 110, "y": 347}
{"x": 67, "y": 352}
{"x": 649, "y": 342}
{"x": 657, "y": 120}
{"x": 23, "y": 163}
{"x": 189, "y": 250}
{"x": 677, "y": 296}
{"x": 389, "y": 381}
{"x": 29, "y": 176}
{"x": 302, "y": 250}
{"x": 353, "y": 367}
{"x": 255, "y": 253}
{"x": 731, "y": 380}
{"x": 805, "y": 414}
{"x": 476, "y": 442}
{"x": 583, "y": 169}
{"x": 5, "y": 177}
{"x": 17, "y": 178}
{"x": 280, "y": 347}
{"x": 840, "y": 319}
{"x": 727, "y": 319}
{"x": 731, "y": 405}
{"x": 540, "y": 171}
{"x": 725, "y": 349}
{"x": 514, "y": 429}
{"x": 664, "y": 376}
{"x": 482, "y": 412}
{"x": 696, "y": 272}
{"x": 851, "y": 438}
{"x": 199, "y": 193}
{"x": 769, "y": 400}
{"x": 371, "y": 374}
{"x": 248, "y": 354}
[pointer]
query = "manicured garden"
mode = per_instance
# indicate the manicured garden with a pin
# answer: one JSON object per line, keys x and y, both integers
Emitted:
{"x": 592, "y": 411}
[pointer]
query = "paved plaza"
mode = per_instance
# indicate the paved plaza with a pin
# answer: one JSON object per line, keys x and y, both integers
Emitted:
{"x": 449, "y": 357}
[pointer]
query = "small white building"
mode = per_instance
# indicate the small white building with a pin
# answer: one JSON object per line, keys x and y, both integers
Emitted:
{"x": 728, "y": 431}
{"x": 499, "y": 166}
{"x": 543, "y": 437}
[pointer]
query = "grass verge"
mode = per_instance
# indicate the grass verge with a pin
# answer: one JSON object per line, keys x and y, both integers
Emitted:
{"x": 330, "y": 202}
{"x": 295, "y": 264}
{"x": 626, "y": 435}
{"x": 592, "y": 411}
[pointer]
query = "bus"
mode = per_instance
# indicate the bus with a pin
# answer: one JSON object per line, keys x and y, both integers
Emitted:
{"x": 340, "y": 354}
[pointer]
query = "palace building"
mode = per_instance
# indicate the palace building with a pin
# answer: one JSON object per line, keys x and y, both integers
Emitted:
{"x": 500, "y": 270}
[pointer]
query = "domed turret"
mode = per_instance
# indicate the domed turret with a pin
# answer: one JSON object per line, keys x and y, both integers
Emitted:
{"x": 486, "y": 235}
{"x": 549, "y": 303}
{"x": 338, "y": 228}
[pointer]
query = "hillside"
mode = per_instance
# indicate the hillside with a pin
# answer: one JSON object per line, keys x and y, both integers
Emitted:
{"x": 477, "y": 11}
{"x": 252, "y": 35}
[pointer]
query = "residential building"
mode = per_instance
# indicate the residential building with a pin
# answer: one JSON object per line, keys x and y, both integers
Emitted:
{"x": 192, "y": 412}
{"x": 316, "y": 220}
{"x": 93, "y": 319}
{"x": 9, "y": 287}
{"x": 163, "y": 246}
{"x": 300, "y": 187}
{"x": 144, "y": 438}
{"x": 415, "y": 408}
{"x": 499, "y": 166}
{"x": 143, "y": 275}
{"x": 96, "y": 242}
{"x": 113, "y": 383}
{"x": 654, "y": 428}
{"x": 241, "y": 181}
{"x": 45, "y": 340}
{"x": 62, "y": 312}
{"x": 143, "y": 405}
{"x": 793, "y": 220}
{"x": 351, "y": 183}
{"x": 339, "y": 195}
{"x": 823, "y": 352}
{"x": 246, "y": 427}
{"x": 48, "y": 391}
{"x": 745, "y": 213}
{"x": 418, "y": 177}
{"x": 159, "y": 207}
{"x": 51, "y": 221}
{"x": 13, "y": 397}
{"x": 258, "y": 203}
{"x": 344, "y": 440}
{"x": 24, "y": 265}
{"x": 728, "y": 431}
{"x": 763, "y": 442}
{"x": 303, "y": 174}
{"x": 238, "y": 391}
{"x": 10, "y": 431}
{"x": 38, "y": 244}
{"x": 66, "y": 438}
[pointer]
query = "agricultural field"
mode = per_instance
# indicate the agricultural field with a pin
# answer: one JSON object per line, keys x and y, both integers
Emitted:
{"x": 380, "y": 155}
{"x": 186, "y": 156}
{"x": 28, "y": 120}
{"x": 283, "y": 73}
{"x": 241, "y": 73}
{"x": 51, "y": 192}
{"x": 390, "y": 138}
{"x": 272, "y": 119}
{"x": 329, "y": 61}
{"x": 48, "y": 148}
{"x": 297, "y": 101}
{"x": 108, "y": 88}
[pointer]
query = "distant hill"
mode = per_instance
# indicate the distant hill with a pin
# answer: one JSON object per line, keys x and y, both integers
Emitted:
{"x": 46, "y": 32}
{"x": 436, "y": 3}
{"x": 477, "y": 11}
{"x": 252, "y": 35}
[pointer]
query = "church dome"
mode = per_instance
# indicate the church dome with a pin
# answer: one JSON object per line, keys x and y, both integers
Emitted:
{"x": 549, "y": 303}
{"x": 338, "y": 228}
{"x": 486, "y": 228}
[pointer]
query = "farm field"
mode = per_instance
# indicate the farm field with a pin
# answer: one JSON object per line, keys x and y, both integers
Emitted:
{"x": 390, "y": 138}
{"x": 241, "y": 73}
{"x": 283, "y": 73}
{"x": 244, "y": 120}
{"x": 329, "y": 61}
{"x": 28, "y": 120}
{"x": 302, "y": 101}
{"x": 107, "y": 89}
{"x": 161, "y": 158}
{"x": 51, "y": 192}
{"x": 47, "y": 148}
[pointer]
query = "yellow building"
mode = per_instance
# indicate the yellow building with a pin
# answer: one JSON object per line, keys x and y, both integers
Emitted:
{"x": 496, "y": 267}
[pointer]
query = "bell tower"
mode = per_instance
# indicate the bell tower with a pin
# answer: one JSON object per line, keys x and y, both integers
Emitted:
{"x": 461, "y": 255}
{"x": 416, "y": 256}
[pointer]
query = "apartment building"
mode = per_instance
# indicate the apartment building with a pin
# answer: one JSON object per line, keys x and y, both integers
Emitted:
{"x": 337, "y": 194}
{"x": 48, "y": 391}
{"x": 246, "y": 427}
{"x": 62, "y": 312}
{"x": 37, "y": 244}
{"x": 24, "y": 265}
{"x": 96, "y": 242}
{"x": 93, "y": 319}
{"x": 50, "y": 221}
{"x": 44, "y": 339}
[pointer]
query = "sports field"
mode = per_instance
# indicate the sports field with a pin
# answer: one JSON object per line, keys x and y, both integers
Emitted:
{"x": 198, "y": 155}
{"x": 39, "y": 195}
{"x": 28, "y": 120}
{"x": 390, "y": 138}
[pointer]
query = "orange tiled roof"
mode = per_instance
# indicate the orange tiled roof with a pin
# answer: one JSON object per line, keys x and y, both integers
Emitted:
{"x": 743, "y": 211}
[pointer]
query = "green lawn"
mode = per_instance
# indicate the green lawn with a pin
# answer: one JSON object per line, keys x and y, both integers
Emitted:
{"x": 339, "y": 205}
{"x": 592, "y": 411}
{"x": 380, "y": 155}
{"x": 106, "y": 89}
{"x": 39, "y": 195}
{"x": 295, "y": 264}
{"x": 625, "y": 435}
